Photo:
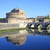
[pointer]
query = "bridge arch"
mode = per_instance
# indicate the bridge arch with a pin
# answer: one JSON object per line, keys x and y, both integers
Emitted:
{"x": 32, "y": 26}
{"x": 39, "y": 26}
{"x": 48, "y": 26}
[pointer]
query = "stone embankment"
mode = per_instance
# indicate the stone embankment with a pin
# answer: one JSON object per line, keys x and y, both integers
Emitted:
{"x": 12, "y": 25}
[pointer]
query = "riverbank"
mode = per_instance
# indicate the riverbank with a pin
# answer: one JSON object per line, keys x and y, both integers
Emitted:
{"x": 12, "y": 30}
{"x": 18, "y": 29}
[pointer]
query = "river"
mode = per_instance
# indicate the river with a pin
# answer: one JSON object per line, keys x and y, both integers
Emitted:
{"x": 29, "y": 39}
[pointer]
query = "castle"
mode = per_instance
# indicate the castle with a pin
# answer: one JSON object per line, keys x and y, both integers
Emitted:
{"x": 19, "y": 16}
{"x": 17, "y": 19}
{"x": 16, "y": 16}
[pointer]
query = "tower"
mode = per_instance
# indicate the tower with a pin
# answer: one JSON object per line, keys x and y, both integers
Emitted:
{"x": 15, "y": 14}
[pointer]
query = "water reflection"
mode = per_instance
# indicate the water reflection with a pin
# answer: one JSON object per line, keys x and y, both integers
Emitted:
{"x": 16, "y": 40}
{"x": 20, "y": 37}
{"x": 29, "y": 39}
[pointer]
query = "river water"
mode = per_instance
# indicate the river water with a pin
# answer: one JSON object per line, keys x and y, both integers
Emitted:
{"x": 29, "y": 39}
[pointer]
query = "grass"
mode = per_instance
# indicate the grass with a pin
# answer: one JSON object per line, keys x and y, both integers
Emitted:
{"x": 11, "y": 30}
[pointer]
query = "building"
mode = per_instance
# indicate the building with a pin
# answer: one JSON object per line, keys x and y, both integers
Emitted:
{"x": 15, "y": 19}
{"x": 16, "y": 13}
{"x": 40, "y": 17}
{"x": 17, "y": 16}
{"x": 43, "y": 18}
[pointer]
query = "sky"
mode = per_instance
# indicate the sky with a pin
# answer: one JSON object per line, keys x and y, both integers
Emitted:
{"x": 32, "y": 8}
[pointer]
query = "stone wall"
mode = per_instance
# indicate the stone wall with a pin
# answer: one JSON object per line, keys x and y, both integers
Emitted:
{"x": 46, "y": 20}
{"x": 4, "y": 26}
{"x": 14, "y": 20}
{"x": 8, "y": 26}
{"x": 15, "y": 15}
{"x": 36, "y": 20}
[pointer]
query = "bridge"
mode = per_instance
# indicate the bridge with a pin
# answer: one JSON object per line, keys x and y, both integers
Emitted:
{"x": 39, "y": 24}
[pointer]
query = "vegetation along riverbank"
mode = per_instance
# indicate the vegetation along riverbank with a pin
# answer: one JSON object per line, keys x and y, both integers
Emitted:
{"x": 10, "y": 30}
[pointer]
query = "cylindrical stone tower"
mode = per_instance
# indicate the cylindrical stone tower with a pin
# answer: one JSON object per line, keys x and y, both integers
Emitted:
{"x": 15, "y": 14}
